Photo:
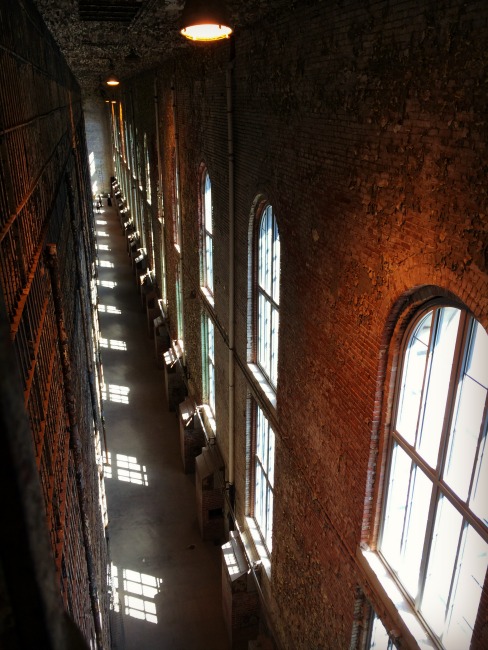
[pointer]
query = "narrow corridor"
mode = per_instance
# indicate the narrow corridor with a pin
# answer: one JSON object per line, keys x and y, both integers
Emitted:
{"x": 166, "y": 579}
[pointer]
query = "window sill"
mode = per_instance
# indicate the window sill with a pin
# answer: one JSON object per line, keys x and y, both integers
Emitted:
{"x": 408, "y": 625}
{"x": 208, "y": 296}
{"x": 266, "y": 388}
{"x": 209, "y": 423}
{"x": 254, "y": 547}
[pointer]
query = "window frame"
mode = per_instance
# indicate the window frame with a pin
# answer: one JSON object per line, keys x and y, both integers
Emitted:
{"x": 440, "y": 489}
{"x": 264, "y": 528}
{"x": 262, "y": 400}
{"x": 261, "y": 295}
{"x": 206, "y": 236}
{"x": 208, "y": 358}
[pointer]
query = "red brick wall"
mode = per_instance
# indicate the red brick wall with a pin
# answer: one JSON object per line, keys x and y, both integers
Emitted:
{"x": 364, "y": 125}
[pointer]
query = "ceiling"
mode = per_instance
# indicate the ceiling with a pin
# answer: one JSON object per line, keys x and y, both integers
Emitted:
{"x": 130, "y": 35}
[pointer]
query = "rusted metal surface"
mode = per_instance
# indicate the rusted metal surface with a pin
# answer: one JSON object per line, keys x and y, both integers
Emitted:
{"x": 51, "y": 261}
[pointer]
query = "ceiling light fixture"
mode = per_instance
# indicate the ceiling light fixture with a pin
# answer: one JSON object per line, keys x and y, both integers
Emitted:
{"x": 205, "y": 20}
{"x": 112, "y": 80}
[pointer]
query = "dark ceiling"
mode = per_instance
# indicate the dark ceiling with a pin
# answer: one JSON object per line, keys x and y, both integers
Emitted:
{"x": 131, "y": 35}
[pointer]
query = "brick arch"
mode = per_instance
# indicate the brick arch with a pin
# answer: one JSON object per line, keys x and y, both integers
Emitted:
{"x": 396, "y": 321}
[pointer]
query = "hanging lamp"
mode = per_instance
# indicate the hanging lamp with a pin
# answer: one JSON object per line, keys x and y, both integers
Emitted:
{"x": 112, "y": 80}
{"x": 205, "y": 20}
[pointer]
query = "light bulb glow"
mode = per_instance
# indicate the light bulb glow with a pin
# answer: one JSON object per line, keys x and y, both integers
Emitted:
{"x": 206, "y": 32}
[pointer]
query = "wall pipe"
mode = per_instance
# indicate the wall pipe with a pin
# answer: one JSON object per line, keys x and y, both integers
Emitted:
{"x": 179, "y": 215}
{"x": 51, "y": 261}
{"x": 160, "y": 191}
{"x": 230, "y": 159}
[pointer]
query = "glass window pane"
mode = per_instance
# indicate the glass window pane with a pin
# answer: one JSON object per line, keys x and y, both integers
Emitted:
{"x": 274, "y": 346}
{"x": 441, "y": 566}
{"x": 269, "y": 519}
{"x": 412, "y": 380}
{"x": 276, "y": 265}
{"x": 208, "y": 205}
{"x": 260, "y": 435}
{"x": 379, "y": 636}
{"x": 396, "y": 506}
{"x": 271, "y": 455}
{"x": 438, "y": 384}
{"x": 414, "y": 532}
{"x": 477, "y": 366}
{"x": 464, "y": 436}
{"x": 209, "y": 263}
{"x": 259, "y": 496}
{"x": 479, "y": 499}
{"x": 467, "y": 591}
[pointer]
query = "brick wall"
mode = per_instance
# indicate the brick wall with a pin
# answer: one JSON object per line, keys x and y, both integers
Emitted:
{"x": 46, "y": 269}
{"x": 364, "y": 125}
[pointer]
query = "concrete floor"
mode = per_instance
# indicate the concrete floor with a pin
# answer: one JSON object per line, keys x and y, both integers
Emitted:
{"x": 166, "y": 579}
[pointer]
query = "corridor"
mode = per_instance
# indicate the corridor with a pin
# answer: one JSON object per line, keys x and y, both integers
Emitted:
{"x": 166, "y": 580}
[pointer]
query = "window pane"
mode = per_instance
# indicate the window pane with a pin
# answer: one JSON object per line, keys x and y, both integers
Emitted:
{"x": 259, "y": 502}
{"x": 379, "y": 636}
{"x": 271, "y": 454}
{"x": 479, "y": 499}
{"x": 264, "y": 476}
{"x": 412, "y": 380}
{"x": 414, "y": 532}
{"x": 396, "y": 507}
{"x": 264, "y": 329}
{"x": 209, "y": 263}
{"x": 477, "y": 366}
{"x": 442, "y": 561}
{"x": 276, "y": 265}
{"x": 210, "y": 363}
{"x": 464, "y": 436}
{"x": 260, "y": 435}
{"x": 208, "y": 205}
{"x": 438, "y": 383}
{"x": 467, "y": 591}
{"x": 274, "y": 347}
{"x": 269, "y": 520}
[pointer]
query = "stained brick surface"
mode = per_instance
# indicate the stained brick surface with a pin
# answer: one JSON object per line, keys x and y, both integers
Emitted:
{"x": 364, "y": 124}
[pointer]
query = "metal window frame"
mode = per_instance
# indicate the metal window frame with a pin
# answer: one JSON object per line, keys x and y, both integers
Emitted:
{"x": 435, "y": 475}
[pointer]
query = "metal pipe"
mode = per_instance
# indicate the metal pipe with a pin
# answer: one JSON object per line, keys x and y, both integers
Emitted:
{"x": 230, "y": 158}
{"x": 160, "y": 192}
{"x": 51, "y": 262}
{"x": 179, "y": 215}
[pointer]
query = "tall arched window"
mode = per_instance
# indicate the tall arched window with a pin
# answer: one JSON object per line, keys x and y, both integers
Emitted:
{"x": 265, "y": 288}
{"x": 434, "y": 534}
{"x": 207, "y": 235}
{"x": 268, "y": 296}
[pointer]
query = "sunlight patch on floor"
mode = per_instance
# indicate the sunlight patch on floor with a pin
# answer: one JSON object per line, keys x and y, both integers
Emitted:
{"x": 134, "y": 593}
{"x": 113, "y": 344}
{"x": 115, "y": 393}
{"x": 125, "y": 468}
{"x": 108, "y": 309}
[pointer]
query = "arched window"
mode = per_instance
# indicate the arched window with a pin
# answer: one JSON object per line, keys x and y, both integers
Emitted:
{"x": 265, "y": 297}
{"x": 268, "y": 296}
{"x": 434, "y": 532}
{"x": 207, "y": 235}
